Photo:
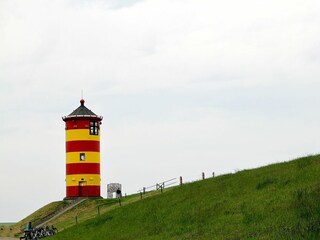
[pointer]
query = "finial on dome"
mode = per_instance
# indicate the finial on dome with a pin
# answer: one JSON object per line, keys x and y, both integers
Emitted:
{"x": 82, "y": 102}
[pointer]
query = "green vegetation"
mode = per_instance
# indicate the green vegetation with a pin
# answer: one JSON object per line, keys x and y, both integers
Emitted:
{"x": 6, "y": 224}
{"x": 5, "y": 228}
{"x": 80, "y": 213}
{"x": 15, "y": 229}
{"x": 90, "y": 209}
{"x": 280, "y": 201}
{"x": 41, "y": 213}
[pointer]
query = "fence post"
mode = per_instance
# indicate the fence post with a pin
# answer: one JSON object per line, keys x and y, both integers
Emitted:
{"x": 203, "y": 176}
{"x": 77, "y": 220}
{"x": 99, "y": 211}
{"x": 181, "y": 181}
{"x": 213, "y": 174}
{"x": 141, "y": 195}
{"x": 144, "y": 190}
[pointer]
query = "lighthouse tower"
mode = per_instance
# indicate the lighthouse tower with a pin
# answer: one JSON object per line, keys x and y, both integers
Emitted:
{"x": 82, "y": 153}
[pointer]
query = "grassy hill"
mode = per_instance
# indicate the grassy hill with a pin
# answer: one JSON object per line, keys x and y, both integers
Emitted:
{"x": 280, "y": 201}
{"x": 14, "y": 229}
{"x": 80, "y": 213}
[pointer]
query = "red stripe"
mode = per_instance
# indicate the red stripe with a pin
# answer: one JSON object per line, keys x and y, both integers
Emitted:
{"x": 80, "y": 124}
{"x": 87, "y": 191}
{"x": 83, "y": 168}
{"x": 83, "y": 146}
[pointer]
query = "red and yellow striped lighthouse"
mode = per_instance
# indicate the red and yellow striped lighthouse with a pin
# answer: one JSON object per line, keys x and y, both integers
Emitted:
{"x": 82, "y": 153}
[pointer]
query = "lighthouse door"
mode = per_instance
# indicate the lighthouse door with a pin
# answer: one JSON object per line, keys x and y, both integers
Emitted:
{"x": 83, "y": 192}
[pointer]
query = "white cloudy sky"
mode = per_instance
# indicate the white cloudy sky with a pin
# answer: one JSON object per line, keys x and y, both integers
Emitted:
{"x": 185, "y": 86}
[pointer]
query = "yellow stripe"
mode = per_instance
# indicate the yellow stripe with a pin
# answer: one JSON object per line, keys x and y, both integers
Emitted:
{"x": 80, "y": 134}
{"x": 91, "y": 179}
{"x": 90, "y": 157}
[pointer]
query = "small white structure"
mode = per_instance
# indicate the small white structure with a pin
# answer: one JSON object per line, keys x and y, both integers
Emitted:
{"x": 114, "y": 188}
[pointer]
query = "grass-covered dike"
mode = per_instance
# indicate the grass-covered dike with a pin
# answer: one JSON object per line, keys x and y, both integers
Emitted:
{"x": 279, "y": 201}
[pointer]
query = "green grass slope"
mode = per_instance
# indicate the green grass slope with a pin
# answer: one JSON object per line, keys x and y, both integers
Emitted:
{"x": 15, "y": 229}
{"x": 280, "y": 201}
{"x": 80, "y": 213}
{"x": 89, "y": 209}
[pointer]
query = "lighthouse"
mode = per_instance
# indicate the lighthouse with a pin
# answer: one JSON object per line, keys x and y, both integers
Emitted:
{"x": 82, "y": 128}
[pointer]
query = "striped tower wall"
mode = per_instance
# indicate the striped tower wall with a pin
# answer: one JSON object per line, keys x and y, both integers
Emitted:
{"x": 82, "y": 158}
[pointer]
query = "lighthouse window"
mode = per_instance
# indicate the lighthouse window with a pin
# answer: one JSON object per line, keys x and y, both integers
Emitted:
{"x": 93, "y": 128}
{"x": 82, "y": 156}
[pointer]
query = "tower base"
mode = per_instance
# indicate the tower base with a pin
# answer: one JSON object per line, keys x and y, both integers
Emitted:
{"x": 79, "y": 198}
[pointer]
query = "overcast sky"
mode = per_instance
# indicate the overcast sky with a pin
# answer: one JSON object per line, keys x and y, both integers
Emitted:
{"x": 185, "y": 86}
